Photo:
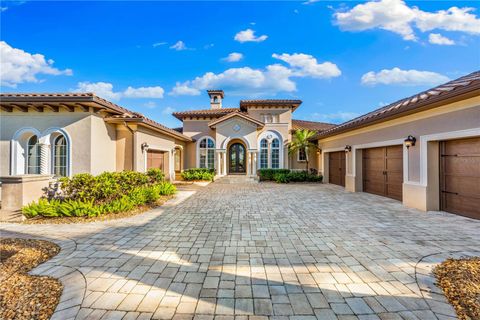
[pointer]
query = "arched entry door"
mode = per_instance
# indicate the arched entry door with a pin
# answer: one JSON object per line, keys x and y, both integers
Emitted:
{"x": 237, "y": 159}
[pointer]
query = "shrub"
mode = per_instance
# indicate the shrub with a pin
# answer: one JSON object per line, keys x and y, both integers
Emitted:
{"x": 109, "y": 192}
{"x": 41, "y": 208}
{"x": 269, "y": 174}
{"x": 281, "y": 177}
{"x": 199, "y": 174}
{"x": 296, "y": 176}
{"x": 165, "y": 189}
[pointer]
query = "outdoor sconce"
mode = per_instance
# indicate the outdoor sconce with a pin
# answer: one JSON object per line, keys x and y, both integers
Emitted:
{"x": 145, "y": 146}
{"x": 319, "y": 151}
{"x": 410, "y": 141}
{"x": 348, "y": 148}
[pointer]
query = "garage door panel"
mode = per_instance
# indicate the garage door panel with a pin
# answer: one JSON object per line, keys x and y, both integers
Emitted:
{"x": 460, "y": 177}
{"x": 337, "y": 168}
{"x": 383, "y": 171}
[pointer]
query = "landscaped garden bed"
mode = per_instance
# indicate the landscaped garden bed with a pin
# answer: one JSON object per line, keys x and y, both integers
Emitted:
{"x": 198, "y": 174}
{"x": 106, "y": 196}
{"x": 460, "y": 281}
{"x": 23, "y": 296}
{"x": 287, "y": 176}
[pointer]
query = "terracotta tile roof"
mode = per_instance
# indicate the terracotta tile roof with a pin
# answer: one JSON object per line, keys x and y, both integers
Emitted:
{"x": 204, "y": 113}
{"x": 233, "y": 114}
{"x": 293, "y": 103}
{"x": 311, "y": 125}
{"x": 120, "y": 112}
{"x": 466, "y": 85}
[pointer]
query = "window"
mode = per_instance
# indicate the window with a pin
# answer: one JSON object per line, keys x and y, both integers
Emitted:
{"x": 207, "y": 153}
{"x": 275, "y": 154}
{"x": 33, "y": 156}
{"x": 302, "y": 155}
{"x": 60, "y": 156}
{"x": 263, "y": 154}
{"x": 270, "y": 118}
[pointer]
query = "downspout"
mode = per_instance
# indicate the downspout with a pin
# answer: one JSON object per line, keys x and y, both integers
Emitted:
{"x": 134, "y": 145}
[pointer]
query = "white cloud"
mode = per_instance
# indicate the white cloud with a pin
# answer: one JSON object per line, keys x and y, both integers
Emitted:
{"x": 105, "y": 90}
{"x": 233, "y": 57}
{"x": 305, "y": 65}
{"x": 437, "y": 38}
{"x": 183, "y": 89}
{"x": 248, "y": 35}
{"x": 18, "y": 66}
{"x": 396, "y": 16}
{"x": 3, "y": 9}
{"x": 158, "y": 44}
{"x": 144, "y": 92}
{"x": 168, "y": 111}
{"x": 337, "y": 117}
{"x": 310, "y": 1}
{"x": 272, "y": 79}
{"x": 396, "y": 76}
{"x": 179, "y": 46}
{"x": 150, "y": 104}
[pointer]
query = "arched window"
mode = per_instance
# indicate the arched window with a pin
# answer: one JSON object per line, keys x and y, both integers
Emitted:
{"x": 215, "y": 99}
{"x": 60, "y": 156}
{"x": 263, "y": 154}
{"x": 33, "y": 156}
{"x": 275, "y": 153}
{"x": 207, "y": 153}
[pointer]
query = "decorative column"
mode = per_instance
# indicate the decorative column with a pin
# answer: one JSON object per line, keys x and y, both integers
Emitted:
{"x": 254, "y": 163}
{"x": 249, "y": 163}
{"x": 219, "y": 163}
{"x": 44, "y": 152}
{"x": 225, "y": 163}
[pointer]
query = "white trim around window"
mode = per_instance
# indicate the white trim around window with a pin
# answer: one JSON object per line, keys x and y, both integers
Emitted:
{"x": 198, "y": 151}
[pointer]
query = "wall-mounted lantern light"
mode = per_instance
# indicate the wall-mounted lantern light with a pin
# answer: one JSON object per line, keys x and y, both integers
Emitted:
{"x": 348, "y": 148}
{"x": 319, "y": 151}
{"x": 410, "y": 141}
{"x": 145, "y": 146}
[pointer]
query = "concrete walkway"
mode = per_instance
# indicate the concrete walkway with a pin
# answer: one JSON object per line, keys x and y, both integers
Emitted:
{"x": 257, "y": 251}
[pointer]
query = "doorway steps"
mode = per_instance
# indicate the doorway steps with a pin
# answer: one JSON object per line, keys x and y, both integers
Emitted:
{"x": 234, "y": 179}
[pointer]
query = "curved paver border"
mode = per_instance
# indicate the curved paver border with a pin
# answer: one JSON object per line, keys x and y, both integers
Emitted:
{"x": 426, "y": 281}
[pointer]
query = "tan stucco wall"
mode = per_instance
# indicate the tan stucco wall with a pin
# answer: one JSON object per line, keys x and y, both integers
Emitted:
{"x": 455, "y": 117}
{"x": 155, "y": 141}
{"x": 77, "y": 124}
{"x": 103, "y": 146}
{"x": 124, "y": 148}
{"x": 313, "y": 161}
{"x": 247, "y": 133}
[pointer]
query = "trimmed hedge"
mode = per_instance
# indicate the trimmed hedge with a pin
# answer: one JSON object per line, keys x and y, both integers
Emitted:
{"x": 109, "y": 192}
{"x": 198, "y": 174}
{"x": 269, "y": 174}
{"x": 286, "y": 176}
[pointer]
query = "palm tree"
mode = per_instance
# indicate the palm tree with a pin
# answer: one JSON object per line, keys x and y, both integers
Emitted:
{"x": 302, "y": 141}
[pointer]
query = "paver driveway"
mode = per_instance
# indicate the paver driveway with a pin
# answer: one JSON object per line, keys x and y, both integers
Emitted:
{"x": 257, "y": 250}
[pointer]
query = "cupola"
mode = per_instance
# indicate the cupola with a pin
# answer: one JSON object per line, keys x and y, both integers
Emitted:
{"x": 216, "y": 97}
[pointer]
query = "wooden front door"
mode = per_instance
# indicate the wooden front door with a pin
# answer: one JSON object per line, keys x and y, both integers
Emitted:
{"x": 237, "y": 159}
{"x": 383, "y": 171}
{"x": 156, "y": 159}
{"x": 336, "y": 168}
{"x": 460, "y": 177}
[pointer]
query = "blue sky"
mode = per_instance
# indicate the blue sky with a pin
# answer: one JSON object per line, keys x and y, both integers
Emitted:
{"x": 341, "y": 58}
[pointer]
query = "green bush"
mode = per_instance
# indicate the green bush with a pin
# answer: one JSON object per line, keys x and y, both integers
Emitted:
{"x": 109, "y": 192}
{"x": 281, "y": 177}
{"x": 198, "y": 174}
{"x": 296, "y": 176}
{"x": 269, "y": 174}
{"x": 166, "y": 188}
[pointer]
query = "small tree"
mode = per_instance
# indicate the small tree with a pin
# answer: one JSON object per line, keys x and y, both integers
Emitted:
{"x": 302, "y": 141}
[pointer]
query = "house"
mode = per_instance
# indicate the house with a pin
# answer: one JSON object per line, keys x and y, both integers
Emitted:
{"x": 423, "y": 150}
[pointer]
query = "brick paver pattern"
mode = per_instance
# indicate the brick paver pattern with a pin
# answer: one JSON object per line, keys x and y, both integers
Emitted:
{"x": 260, "y": 251}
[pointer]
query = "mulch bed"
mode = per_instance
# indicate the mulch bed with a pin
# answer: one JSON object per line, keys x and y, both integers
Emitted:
{"x": 23, "y": 296}
{"x": 104, "y": 217}
{"x": 460, "y": 281}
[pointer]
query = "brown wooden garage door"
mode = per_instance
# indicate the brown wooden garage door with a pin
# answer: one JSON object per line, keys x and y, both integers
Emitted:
{"x": 383, "y": 171}
{"x": 336, "y": 168}
{"x": 460, "y": 177}
{"x": 156, "y": 159}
